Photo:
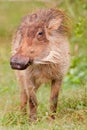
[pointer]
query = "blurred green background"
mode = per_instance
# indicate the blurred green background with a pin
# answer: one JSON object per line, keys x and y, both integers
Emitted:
{"x": 73, "y": 95}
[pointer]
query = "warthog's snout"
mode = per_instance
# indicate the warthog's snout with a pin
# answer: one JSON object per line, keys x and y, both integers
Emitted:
{"x": 20, "y": 62}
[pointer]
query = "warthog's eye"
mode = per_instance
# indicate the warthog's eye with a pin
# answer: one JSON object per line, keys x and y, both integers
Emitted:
{"x": 40, "y": 33}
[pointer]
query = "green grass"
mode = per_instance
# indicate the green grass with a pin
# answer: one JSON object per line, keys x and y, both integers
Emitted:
{"x": 72, "y": 105}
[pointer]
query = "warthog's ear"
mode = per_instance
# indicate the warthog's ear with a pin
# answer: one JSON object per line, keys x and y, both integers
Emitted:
{"x": 54, "y": 23}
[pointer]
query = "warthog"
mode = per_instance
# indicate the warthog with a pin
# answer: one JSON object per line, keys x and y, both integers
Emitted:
{"x": 40, "y": 53}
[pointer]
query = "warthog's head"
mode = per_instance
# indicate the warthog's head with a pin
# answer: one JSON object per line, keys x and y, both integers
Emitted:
{"x": 36, "y": 39}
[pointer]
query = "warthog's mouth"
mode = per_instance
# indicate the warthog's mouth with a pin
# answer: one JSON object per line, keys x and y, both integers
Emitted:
{"x": 20, "y": 63}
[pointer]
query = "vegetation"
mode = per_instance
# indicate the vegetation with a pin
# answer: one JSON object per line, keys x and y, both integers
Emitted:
{"x": 72, "y": 109}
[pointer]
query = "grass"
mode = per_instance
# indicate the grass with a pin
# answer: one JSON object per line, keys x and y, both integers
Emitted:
{"x": 72, "y": 105}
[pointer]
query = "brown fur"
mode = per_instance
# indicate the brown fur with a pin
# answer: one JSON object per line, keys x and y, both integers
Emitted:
{"x": 49, "y": 52}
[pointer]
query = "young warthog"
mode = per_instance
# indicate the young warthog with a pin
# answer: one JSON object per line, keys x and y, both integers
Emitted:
{"x": 40, "y": 53}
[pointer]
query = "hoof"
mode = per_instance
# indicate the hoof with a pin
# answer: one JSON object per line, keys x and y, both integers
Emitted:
{"x": 33, "y": 118}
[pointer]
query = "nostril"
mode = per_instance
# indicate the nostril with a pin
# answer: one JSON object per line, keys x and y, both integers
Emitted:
{"x": 14, "y": 64}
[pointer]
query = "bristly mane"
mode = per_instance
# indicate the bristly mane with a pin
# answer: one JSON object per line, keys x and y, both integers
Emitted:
{"x": 45, "y": 16}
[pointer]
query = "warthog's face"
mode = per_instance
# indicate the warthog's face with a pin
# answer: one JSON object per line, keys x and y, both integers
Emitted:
{"x": 33, "y": 47}
{"x": 35, "y": 41}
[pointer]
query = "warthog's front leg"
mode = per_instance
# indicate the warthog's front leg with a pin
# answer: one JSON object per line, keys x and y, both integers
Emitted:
{"x": 23, "y": 95}
{"x": 32, "y": 104}
{"x": 55, "y": 87}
